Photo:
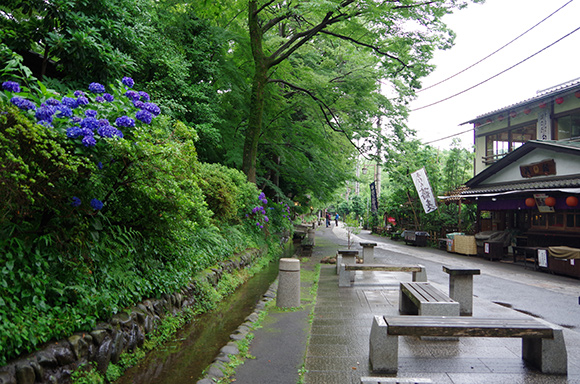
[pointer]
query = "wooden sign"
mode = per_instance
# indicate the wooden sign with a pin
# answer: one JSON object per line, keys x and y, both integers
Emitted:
{"x": 542, "y": 168}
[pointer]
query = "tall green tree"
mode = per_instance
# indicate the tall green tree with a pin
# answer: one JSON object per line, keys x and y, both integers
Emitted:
{"x": 403, "y": 34}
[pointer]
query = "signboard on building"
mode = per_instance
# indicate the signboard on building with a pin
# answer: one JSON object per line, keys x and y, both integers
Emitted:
{"x": 541, "y": 203}
{"x": 424, "y": 190}
{"x": 542, "y": 168}
{"x": 544, "y": 127}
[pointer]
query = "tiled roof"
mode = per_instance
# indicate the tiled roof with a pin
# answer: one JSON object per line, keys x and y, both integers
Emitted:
{"x": 532, "y": 185}
{"x": 550, "y": 93}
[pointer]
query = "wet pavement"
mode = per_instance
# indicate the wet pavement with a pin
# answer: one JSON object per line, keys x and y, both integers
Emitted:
{"x": 334, "y": 347}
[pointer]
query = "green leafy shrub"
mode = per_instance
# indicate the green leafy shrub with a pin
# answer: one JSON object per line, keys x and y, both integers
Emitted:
{"x": 68, "y": 263}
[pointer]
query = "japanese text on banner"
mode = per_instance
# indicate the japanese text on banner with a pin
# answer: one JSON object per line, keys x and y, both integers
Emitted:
{"x": 424, "y": 190}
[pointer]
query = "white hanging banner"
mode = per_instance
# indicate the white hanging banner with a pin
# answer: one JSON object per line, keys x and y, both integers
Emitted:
{"x": 424, "y": 190}
{"x": 544, "y": 126}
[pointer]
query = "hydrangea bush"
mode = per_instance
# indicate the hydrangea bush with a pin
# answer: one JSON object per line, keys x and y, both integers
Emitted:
{"x": 90, "y": 119}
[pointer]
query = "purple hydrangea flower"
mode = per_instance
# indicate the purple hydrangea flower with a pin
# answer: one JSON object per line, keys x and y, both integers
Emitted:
{"x": 108, "y": 97}
{"x": 103, "y": 122}
{"x": 69, "y": 102}
{"x": 76, "y": 119}
{"x": 100, "y": 165}
{"x": 153, "y": 108}
{"x": 78, "y": 93}
{"x": 91, "y": 113}
{"x": 86, "y": 132}
{"x": 89, "y": 141}
{"x": 63, "y": 111}
{"x": 144, "y": 116}
{"x": 76, "y": 202}
{"x": 132, "y": 95}
{"x": 73, "y": 132}
{"x": 82, "y": 100}
{"x": 100, "y": 99}
{"x": 96, "y": 88}
{"x": 90, "y": 123}
{"x": 23, "y": 103}
{"x": 266, "y": 219}
{"x": 144, "y": 96}
{"x": 125, "y": 121}
{"x": 52, "y": 101}
{"x": 109, "y": 131}
{"x": 11, "y": 86}
{"x": 128, "y": 82}
{"x": 44, "y": 113}
{"x": 96, "y": 204}
{"x": 139, "y": 104}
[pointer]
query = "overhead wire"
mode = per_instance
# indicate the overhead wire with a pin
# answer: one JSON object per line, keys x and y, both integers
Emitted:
{"x": 496, "y": 51}
{"x": 497, "y": 74}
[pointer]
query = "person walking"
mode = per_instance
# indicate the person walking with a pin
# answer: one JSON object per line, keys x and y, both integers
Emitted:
{"x": 327, "y": 219}
{"x": 336, "y": 219}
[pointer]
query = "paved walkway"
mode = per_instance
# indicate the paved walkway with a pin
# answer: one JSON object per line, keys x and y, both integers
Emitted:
{"x": 334, "y": 347}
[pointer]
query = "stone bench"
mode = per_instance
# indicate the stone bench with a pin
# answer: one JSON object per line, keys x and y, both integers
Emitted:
{"x": 346, "y": 271}
{"x": 543, "y": 344}
{"x": 423, "y": 299}
{"x": 368, "y": 252}
{"x": 394, "y": 380}
{"x": 461, "y": 287}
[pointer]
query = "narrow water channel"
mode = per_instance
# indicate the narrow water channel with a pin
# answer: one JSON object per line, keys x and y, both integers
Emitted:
{"x": 183, "y": 360}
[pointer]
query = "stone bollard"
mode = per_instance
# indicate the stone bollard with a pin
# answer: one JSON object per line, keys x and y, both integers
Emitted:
{"x": 288, "y": 295}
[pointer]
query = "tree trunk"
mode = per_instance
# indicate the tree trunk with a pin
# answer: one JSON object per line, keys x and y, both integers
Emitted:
{"x": 259, "y": 83}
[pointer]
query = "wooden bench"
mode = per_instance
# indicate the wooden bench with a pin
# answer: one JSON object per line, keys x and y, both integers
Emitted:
{"x": 423, "y": 299}
{"x": 543, "y": 344}
{"x": 346, "y": 271}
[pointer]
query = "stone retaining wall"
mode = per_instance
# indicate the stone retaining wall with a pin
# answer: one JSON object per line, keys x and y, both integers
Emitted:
{"x": 124, "y": 332}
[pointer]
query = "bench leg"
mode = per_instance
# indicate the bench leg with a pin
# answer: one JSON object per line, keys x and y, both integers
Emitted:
{"x": 548, "y": 355}
{"x": 420, "y": 276}
{"x": 344, "y": 279}
{"x": 406, "y": 305}
{"x": 384, "y": 349}
{"x": 461, "y": 290}
{"x": 338, "y": 262}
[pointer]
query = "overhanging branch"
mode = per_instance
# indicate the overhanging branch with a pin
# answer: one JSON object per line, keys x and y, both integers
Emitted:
{"x": 324, "y": 108}
{"x": 373, "y": 47}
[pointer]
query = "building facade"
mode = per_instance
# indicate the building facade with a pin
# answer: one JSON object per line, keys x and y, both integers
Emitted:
{"x": 527, "y": 176}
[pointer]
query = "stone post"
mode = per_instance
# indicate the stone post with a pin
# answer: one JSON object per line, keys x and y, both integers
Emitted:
{"x": 288, "y": 295}
{"x": 368, "y": 252}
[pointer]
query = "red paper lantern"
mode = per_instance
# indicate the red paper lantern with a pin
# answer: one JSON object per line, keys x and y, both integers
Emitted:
{"x": 542, "y": 105}
{"x": 559, "y": 100}
{"x": 571, "y": 201}
{"x": 527, "y": 111}
{"x": 513, "y": 114}
{"x": 550, "y": 201}
{"x": 530, "y": 202}
{"x": 500, "y": 117}
{"x": 577, "y": 94}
